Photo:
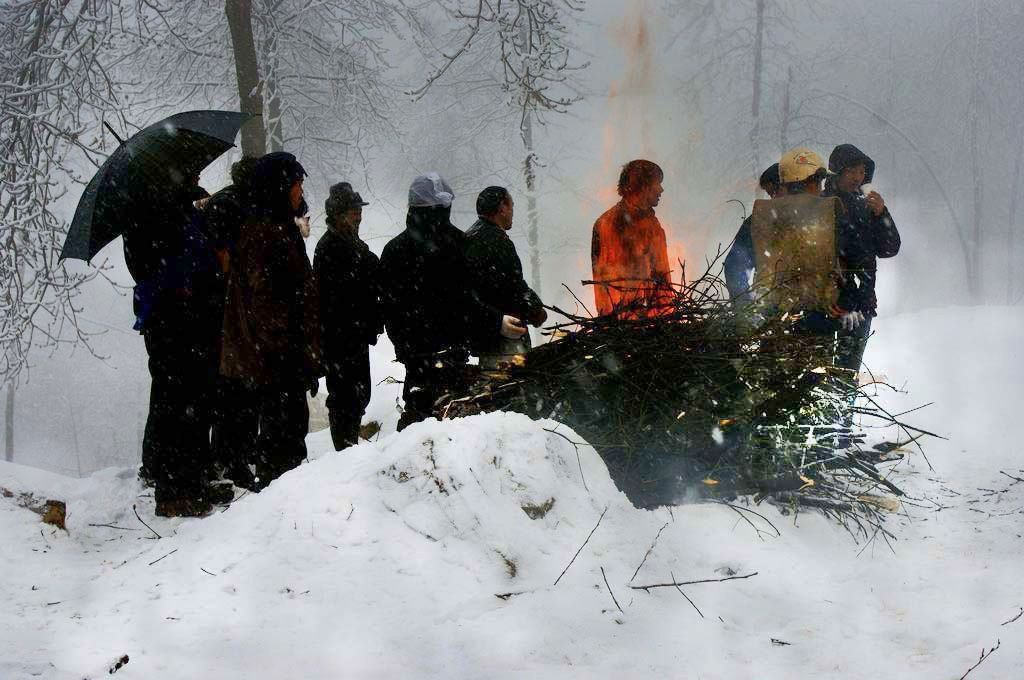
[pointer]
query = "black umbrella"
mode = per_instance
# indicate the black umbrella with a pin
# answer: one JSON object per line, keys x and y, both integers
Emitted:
{"x": 152, "y": 164}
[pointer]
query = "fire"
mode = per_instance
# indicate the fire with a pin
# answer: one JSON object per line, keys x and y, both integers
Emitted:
{"x": 631, "y": 253}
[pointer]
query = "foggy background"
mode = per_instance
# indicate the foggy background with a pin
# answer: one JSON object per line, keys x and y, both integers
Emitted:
{"x": 931, "y": 90}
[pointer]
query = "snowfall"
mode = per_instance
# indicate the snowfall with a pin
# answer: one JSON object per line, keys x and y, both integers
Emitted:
{"x": 411, "y": 556}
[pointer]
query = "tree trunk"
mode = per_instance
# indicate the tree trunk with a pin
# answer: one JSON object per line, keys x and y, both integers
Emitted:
{"x": 247, "y": 73}
{"x": 532, "y": 230}
{"x": 9, "y": 425}
{"x": 1011, "y": 289}
{"x": 975, "y": 273}
{"x": 755, "y": 106}
{"x": 786, "y": 112}
{"x": 272, "y": 91}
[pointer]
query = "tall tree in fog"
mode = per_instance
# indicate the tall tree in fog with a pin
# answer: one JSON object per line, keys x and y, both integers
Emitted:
{"x": 522, "y": 49}
{"x": 317, "y": 72}
{"x": 982, "y": 54}
{"x": 736, "y": 52}
{"x": 55, "y": 84}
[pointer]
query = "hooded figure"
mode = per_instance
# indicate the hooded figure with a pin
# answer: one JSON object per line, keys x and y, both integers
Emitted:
{"x": 866, "y": 233}
{"x": 431, "y": 313}
{"x": 271, "y": 330}
{"x": 350, "y": 318}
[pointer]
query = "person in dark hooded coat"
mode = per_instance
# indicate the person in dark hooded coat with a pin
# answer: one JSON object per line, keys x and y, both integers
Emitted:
{"x": 431, "y": 312}
{"x": 350, "y": 318}
{"x": 177, "y": 306}
{"x": 271, "y": 326}
{"x": 225, "y": 212}
{"x": 866, "y": 233}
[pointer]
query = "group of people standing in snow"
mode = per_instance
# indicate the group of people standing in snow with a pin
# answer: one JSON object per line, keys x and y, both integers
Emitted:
{"x": 631, "y": 268}
{"x": 239, "y": 325}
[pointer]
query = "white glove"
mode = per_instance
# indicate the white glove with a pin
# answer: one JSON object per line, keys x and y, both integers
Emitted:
{"x": 512, "y": 328}
{"x": 851, "y": 321}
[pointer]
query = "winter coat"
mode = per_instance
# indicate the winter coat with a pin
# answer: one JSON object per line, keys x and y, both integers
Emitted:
{"x": 738, "y": 264}
{"x": 271, "y": 324}
{"x": 174, "y": 266}
{"x": 349, "y": 294}
{"x": 498, "y": 277}
{"x": 225, "y": 212}
{"x": 431, "y": 311}
{"x": 862, "y": 236}
{"x": 629, "y": 251}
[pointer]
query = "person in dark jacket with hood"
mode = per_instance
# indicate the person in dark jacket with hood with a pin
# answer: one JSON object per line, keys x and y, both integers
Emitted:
{"x": 350, "y": 318}
{"x": 177, "y": 306}
{"x": 739, "y": 261}
{"x": 271, "y": 327}
{"x": 866, "y": 233}
{"x": 431, "y": 313}
{"x": 498, "y": 275}
{"x": 225, "y": 212}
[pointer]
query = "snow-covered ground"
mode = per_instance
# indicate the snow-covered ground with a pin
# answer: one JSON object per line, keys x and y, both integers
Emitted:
{"x": 387, "y": 560}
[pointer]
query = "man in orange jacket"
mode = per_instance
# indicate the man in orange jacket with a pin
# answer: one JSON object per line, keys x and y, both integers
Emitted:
{"x": 628, "y": 252}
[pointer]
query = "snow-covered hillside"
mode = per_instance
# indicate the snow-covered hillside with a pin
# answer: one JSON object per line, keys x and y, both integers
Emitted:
{"x": 434, "y": 553}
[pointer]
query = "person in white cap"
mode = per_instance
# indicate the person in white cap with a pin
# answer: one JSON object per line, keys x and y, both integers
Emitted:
{"x": 431, "y": 312}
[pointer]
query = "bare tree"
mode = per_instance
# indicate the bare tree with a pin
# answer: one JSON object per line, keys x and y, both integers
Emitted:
{"x": 527, "y": 44}
{"x": 247, "y": 75}
{"x": 55, "y": 83}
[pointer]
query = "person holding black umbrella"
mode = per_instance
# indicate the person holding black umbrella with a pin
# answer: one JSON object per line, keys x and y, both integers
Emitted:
{"x": 271, "y": 342}
{"x": 177, "y": 301}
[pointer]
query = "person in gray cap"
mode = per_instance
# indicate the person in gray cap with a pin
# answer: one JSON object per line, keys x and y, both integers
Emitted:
{"x": 350, "y": 320}
{"x": 431, "y": 312}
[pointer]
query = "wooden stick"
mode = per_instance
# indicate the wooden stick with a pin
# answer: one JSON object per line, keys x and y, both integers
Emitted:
{"x": 676, "y": 584}
{"x": 605, "y": 577}
{"x": 581, "y": 547}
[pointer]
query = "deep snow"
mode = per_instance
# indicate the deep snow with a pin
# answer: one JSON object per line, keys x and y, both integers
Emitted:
{"x": 386, "y": 560}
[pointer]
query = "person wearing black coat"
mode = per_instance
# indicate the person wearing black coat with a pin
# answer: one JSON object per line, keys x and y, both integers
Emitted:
{"x": 271, "y": 345}
{"x": 177, "y": 301}
{"x": 232, "y": 435}
{"x": 350, "y": 317}
{"x": 431, "y": 312}
{"x": 498, "y": 275}
{"x": 866, "y": 233}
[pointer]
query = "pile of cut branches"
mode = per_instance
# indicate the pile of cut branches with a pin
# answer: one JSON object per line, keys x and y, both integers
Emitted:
{"x": 697, "y": 401}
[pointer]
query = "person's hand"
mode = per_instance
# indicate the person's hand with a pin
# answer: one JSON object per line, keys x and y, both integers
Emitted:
{"x": 512, "y": 328}
{"x": 851, "y": 321}
{"x": 875, "y": 203}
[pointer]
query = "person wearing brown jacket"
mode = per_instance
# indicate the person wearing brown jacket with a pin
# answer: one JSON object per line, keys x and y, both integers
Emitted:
{"x": 271, "y": 344}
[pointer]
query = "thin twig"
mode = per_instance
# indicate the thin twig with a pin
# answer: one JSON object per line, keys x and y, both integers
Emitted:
{"x": 675, "y": 584}
{"x": 1014, "y": 618}
{"x": 143, "y": 523}
{"x": 605, "y": 577}
{"x": 581, "y": 547}
{"x": 576, "y": 445}
{"x": 984, "y": 655}
{"x": 673, "y": 577}
{"x": 160, "y": 558}
{"x": 114, "y": 526}
{"x": 649, "y": 551}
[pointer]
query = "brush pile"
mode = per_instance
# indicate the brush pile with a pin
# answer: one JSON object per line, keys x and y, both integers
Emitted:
{"x": 698, "y": 401}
